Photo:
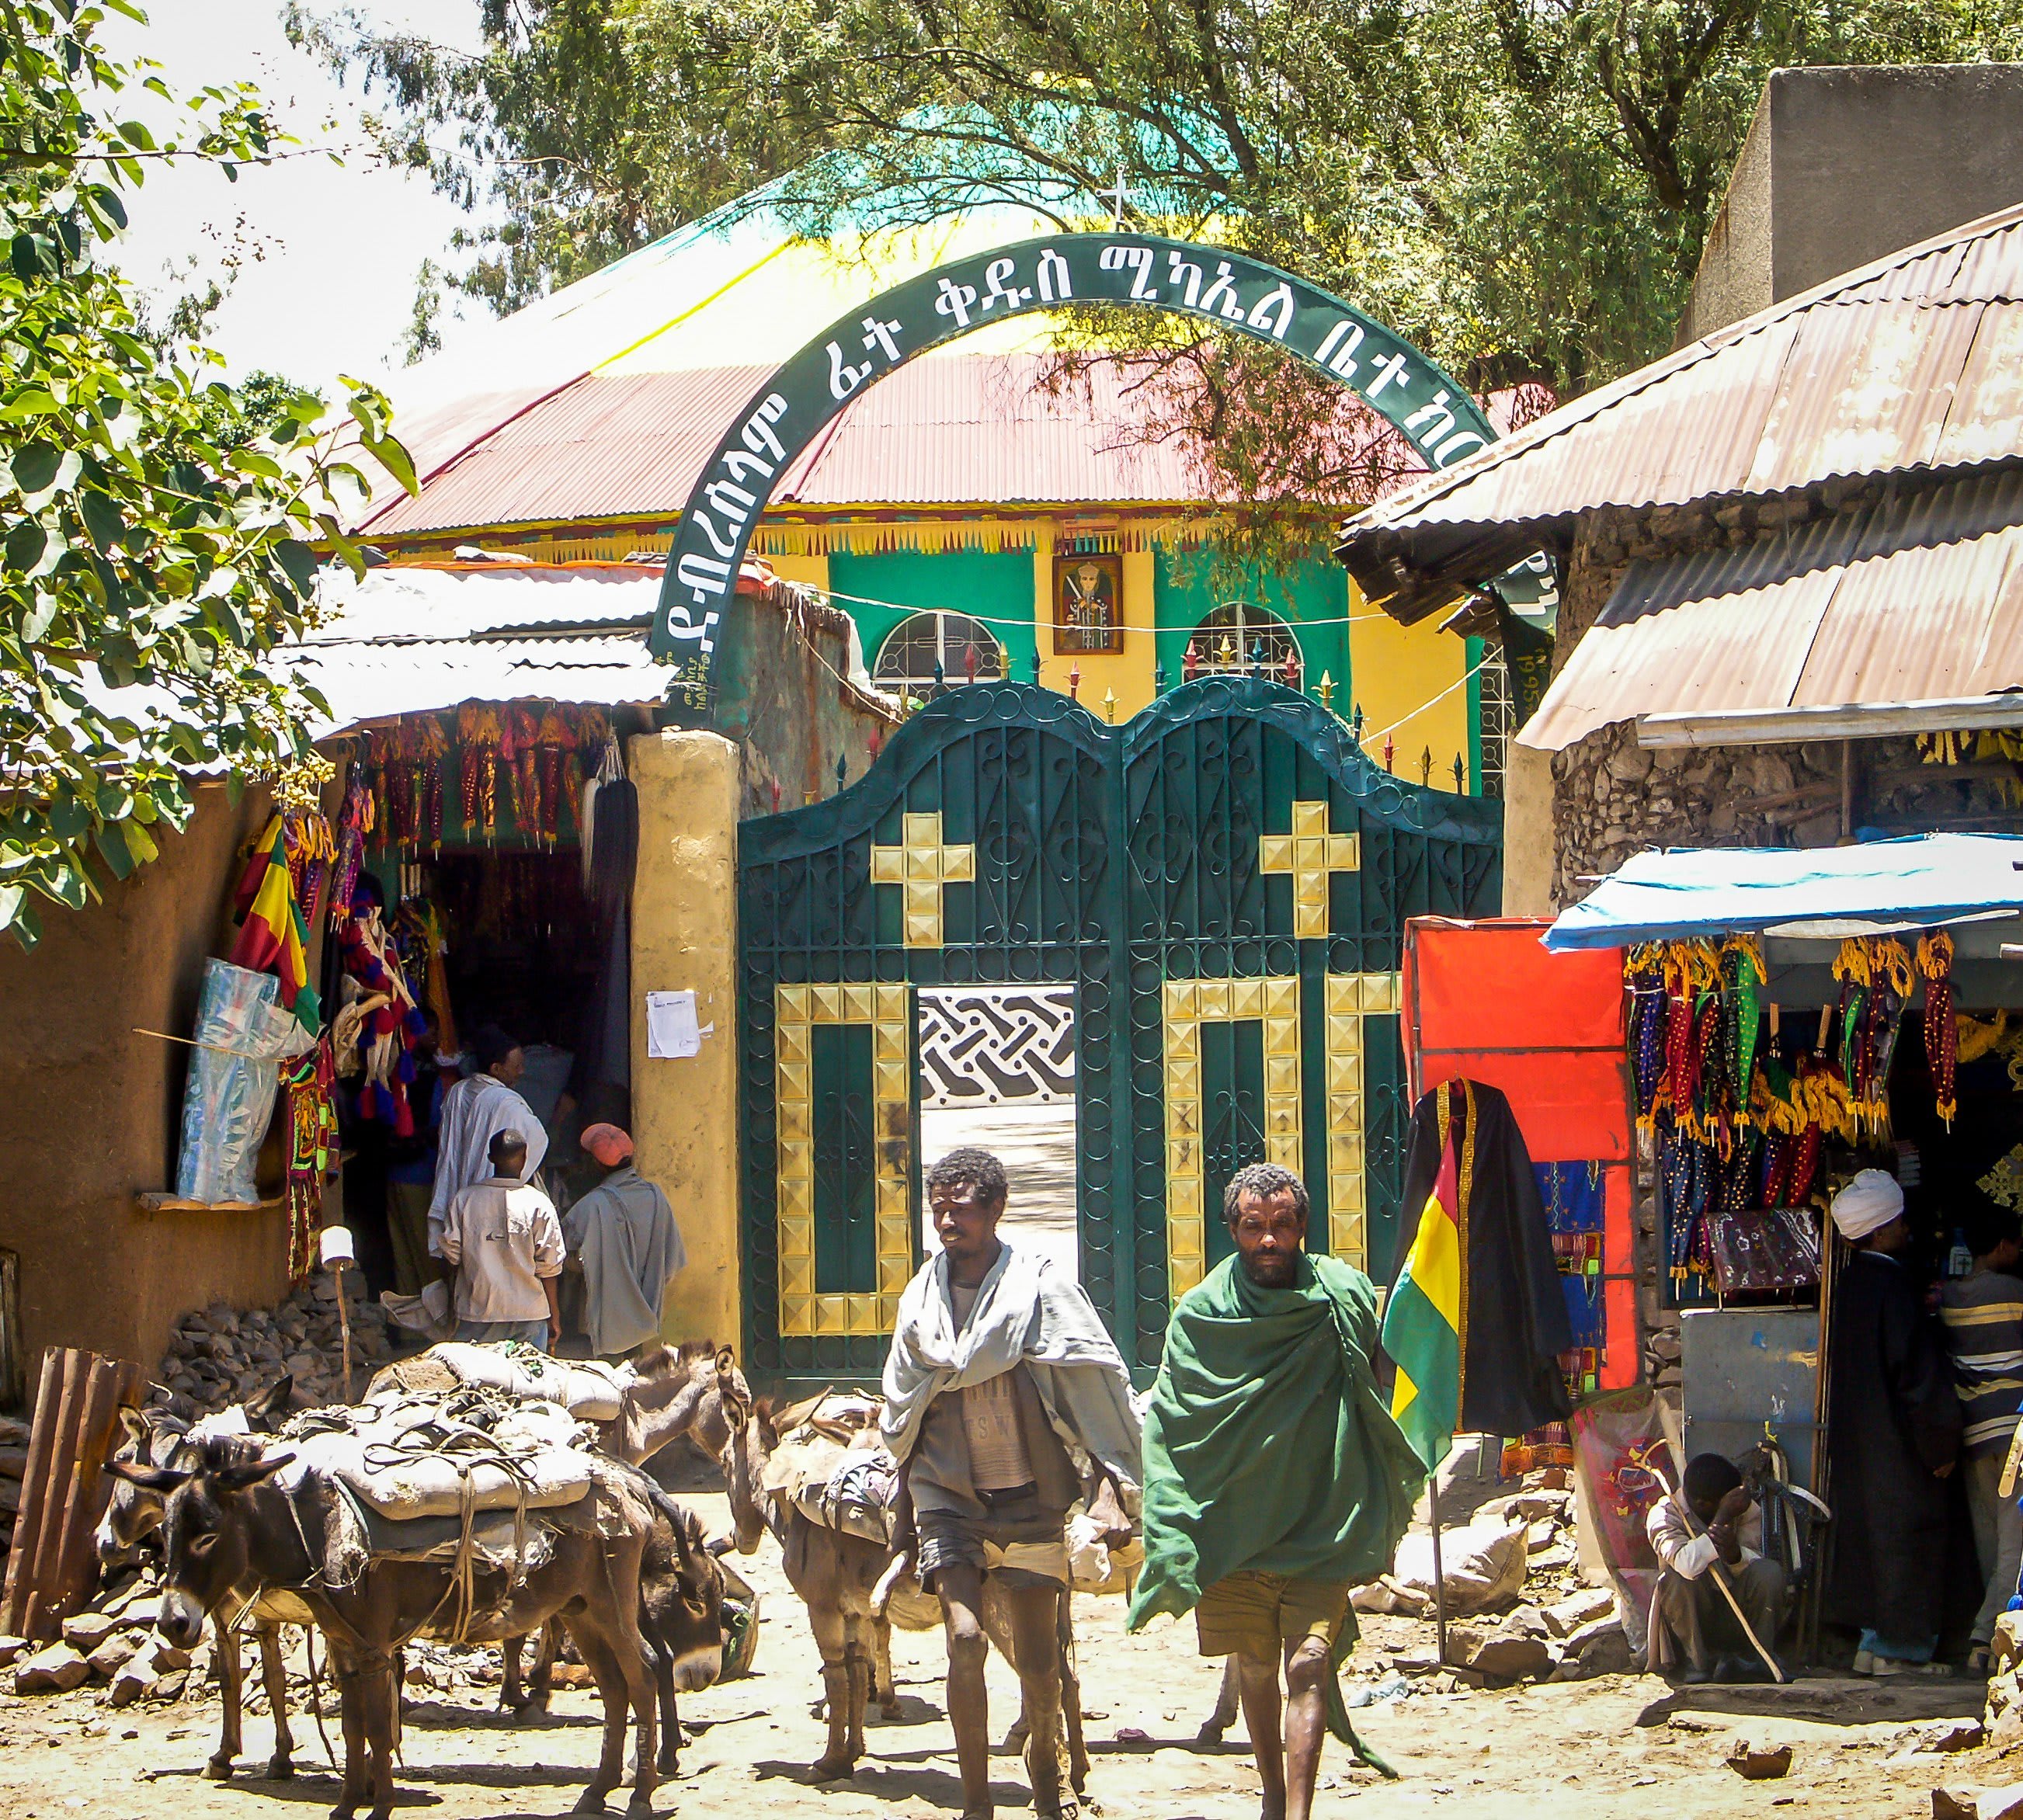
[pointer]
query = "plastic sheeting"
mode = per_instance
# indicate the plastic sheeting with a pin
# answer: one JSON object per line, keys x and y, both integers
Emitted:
{"x": 242, "y": 1036}
{"x": 1921, "y": 880}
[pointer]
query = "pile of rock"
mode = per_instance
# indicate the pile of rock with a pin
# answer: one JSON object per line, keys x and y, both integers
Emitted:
{"x": 220, "y": 1355}
{"x": 1528, "y": 1615}
{"x": 114, "y": 1644}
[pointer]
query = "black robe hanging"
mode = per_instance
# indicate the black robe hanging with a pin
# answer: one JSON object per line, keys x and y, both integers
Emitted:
{"x": 1517, "y": 1325}
{"x": 1892, "y": 1420}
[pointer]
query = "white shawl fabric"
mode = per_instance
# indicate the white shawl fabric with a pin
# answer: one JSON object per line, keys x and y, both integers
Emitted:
{"x": 473, "y": 1111}
{"x": 1026, "y": 1313}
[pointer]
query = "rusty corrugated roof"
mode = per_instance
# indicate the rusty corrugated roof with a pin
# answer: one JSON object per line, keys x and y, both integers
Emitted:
{"x": 1918, "y": 599}
{"x": 950, "y": 429}
{"x": 1913, "y": 362}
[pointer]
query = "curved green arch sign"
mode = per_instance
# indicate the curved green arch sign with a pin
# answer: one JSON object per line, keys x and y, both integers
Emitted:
{"x": 1428, "y": 407}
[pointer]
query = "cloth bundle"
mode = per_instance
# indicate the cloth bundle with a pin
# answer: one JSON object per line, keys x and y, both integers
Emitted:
{"x": 443, "y": 1454}
{"x": 589, "y": 1391}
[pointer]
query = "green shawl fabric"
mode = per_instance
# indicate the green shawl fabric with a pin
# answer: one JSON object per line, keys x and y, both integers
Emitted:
{"x": 1267, "y": 1444}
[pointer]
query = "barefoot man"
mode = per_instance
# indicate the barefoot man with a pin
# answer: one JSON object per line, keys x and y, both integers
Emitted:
{"x": 1275, "y": 1478}
{"x": 1005, "y": 1401}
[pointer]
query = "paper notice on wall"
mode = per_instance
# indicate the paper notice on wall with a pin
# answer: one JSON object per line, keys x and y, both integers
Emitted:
{"x": 671, "y": 1032}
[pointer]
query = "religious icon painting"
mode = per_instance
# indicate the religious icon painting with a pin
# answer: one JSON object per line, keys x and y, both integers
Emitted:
{"x": 1088, "y": 595}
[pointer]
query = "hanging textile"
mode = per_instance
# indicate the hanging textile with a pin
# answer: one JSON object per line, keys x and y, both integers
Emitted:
{"x": 272, "y": 935}
{"x": 375, "y": 1033}
{"x": 1504, "y": 1305}
{"x": 311, "y": 1082}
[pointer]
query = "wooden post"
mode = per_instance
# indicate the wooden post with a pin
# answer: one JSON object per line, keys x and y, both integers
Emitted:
{"x": 63, "y": 1489}
{"x": 1439, "y": 1578}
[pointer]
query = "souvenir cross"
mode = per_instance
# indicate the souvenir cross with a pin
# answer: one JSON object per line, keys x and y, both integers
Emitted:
{"x": 920, "y": 866}
{"x": 1312, "y": 856}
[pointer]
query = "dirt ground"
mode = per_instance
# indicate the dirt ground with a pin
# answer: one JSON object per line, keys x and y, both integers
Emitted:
{"x": 1592, "y": 1749}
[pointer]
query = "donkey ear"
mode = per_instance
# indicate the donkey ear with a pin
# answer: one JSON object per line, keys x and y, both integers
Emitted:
{"x": 156, "y": 1478}
{"x": 721, "y": 1546}
{"x": 263, "y": 1408}
{"x": 727, "y": 1361}
{"x": 231, "y": 1478}
{"x": 135, "y": 1423}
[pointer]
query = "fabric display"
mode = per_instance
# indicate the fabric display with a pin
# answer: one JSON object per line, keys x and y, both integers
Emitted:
{"x": 374, "y": 1033}
{"x": 1477, "y": 1322}
{"x": 273, "y": 936}
{"x": 1763, "y": 1249}
{"x": 310, "y": 1082}
{"x": 1573, "y": 1202}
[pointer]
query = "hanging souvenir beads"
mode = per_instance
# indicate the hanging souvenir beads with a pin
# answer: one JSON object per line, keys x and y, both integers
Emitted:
{"x": 1935, "y": 962}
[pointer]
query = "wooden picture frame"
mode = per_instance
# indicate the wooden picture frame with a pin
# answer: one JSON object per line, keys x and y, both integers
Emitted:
{"x": 1088, "y": 605}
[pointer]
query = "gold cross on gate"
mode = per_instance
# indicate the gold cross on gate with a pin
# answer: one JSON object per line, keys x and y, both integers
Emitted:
{"x": 921, "y": 865}
{"x": 1312, "y": 856}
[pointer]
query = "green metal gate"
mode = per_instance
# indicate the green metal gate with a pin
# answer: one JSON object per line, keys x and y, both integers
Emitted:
{"x": 1223, "y": 881}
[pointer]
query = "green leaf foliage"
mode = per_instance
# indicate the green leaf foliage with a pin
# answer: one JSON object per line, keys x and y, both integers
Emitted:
{"x": 156, "y": 524}
{"x": 1521, "y": 187}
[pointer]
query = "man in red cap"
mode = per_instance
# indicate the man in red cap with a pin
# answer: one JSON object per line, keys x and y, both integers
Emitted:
{"x": 624, "y": 1234}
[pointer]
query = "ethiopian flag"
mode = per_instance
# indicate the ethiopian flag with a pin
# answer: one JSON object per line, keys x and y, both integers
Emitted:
{"x": 1422, "y": 1320}
{"x": 272, "y": 936}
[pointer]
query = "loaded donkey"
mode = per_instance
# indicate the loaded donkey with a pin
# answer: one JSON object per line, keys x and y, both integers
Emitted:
{"x": 231, "y": 1534}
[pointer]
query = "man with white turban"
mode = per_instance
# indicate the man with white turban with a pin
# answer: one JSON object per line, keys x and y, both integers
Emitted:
{"x": 1893, "y": 1436}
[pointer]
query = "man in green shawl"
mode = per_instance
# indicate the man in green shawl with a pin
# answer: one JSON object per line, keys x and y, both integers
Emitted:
{"x": 1275, "y": 1478}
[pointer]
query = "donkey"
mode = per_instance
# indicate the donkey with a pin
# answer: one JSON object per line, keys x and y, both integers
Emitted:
{"x": 676, "y": 1393}
{"x": 844, "y": 1580}
{"x": 156, "y": 1438}
{"x": 229, "y": 1532}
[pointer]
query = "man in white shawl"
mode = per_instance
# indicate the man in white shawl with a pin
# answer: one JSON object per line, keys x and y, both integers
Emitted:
{"x": 1006, "y": 1400}
{"x": 473, "y": 1111}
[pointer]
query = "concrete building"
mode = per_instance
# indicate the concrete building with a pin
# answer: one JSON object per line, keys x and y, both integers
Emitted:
{"x": 1844, "y": 166}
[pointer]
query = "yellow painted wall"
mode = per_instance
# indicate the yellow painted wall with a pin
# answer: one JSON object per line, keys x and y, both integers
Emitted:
{"x": 1396, "y": 671}
{"x": 1127, "y": 673}
{"x": 810, "y": 571}
{"x": 684, "y": 937}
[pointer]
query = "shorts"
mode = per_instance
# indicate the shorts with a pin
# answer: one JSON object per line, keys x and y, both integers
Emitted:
{"x": 1018, "y": 1539}
{"x": 1261, "y": 1615}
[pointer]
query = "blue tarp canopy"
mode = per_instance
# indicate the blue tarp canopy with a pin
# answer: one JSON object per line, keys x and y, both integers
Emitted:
{"x": 1926, "y": 879}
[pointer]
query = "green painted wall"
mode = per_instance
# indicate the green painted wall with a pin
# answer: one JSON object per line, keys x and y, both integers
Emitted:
{"x": 1314, "y": 590}
{"x": 996, "y": 588}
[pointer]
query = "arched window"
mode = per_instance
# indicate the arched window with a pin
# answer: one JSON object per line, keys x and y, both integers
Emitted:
{"x": 914, "y": 647}
{"x": 1240, "y": 639}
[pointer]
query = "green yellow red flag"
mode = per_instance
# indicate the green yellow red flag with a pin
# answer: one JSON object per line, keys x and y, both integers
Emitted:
{"x": 273, "y": 938}
{"x": 1424, "y": 1318}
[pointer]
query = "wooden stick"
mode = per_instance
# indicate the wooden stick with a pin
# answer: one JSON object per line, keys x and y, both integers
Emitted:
{"x": 343, "y": 1324}
{"x": 1439, "y": 1577}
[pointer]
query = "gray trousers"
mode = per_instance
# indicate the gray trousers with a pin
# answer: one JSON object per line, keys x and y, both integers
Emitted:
{"x": 1701, "y": 1622}
{"x": 1997, "y": 1537}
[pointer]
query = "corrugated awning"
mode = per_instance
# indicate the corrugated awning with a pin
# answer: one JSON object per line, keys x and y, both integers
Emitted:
{"x": 1923, "y": 879}
{"x": 1919, "y": 599}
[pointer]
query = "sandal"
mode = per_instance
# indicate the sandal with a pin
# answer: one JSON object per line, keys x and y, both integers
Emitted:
{"x": 1979, "y": 1661}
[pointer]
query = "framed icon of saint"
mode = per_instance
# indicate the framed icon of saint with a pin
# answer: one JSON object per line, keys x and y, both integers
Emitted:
{"x": 1088, "y": 596}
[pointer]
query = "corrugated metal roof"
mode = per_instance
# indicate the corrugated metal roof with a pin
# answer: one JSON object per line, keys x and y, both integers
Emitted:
{"x": 1912, "y": 362}
{"x": 372, "y": 681}
{"x": 445, "y": 602}
{"x": 966, "y": 429}
{"x": 1919, "y": 598}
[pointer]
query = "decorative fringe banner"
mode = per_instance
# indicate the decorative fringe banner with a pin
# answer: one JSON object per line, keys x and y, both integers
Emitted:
{"x": 993, "y": 535}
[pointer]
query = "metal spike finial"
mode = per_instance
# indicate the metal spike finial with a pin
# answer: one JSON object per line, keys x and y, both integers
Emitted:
{"x": 1461, "y": 775}
{"x": 1390, "y": 752}
{"x": 1036, "y": 664}
{"x": 842, "y": 766}
{"x": 1159, "y": 679}
{"x": 1110, "y": 706}
{"x": 1074, "y": 681}
{"x": 1325, "y": 689}
{"x": 1355, "y": 723}
{"x": 1426, "y": 767}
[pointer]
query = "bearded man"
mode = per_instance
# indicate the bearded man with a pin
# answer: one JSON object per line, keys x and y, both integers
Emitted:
{"x": 1275, "y": 1477}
